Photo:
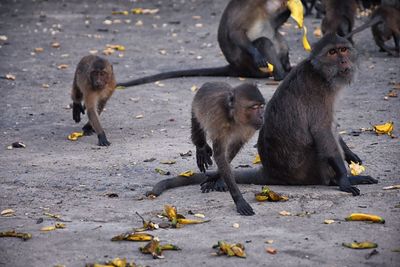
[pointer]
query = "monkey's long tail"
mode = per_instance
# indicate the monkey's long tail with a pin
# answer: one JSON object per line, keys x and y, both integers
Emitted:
{"x": 368, "y": 24}
{"x": 217, "y": 72}
{"x": 253, "y": 176}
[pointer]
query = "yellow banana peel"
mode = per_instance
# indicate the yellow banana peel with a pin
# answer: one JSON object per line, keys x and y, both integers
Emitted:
{"x": 268, "y": 69}
{"x": 230, "y": 250}
{"x": 133, "y": 237}
{"x": 386, "y": 128}
{"x": 186, "y": 173}
{"x": 360, "y": 245}
{"x": 267, "y": 194}
{"x": 365, "y": 217}
{"x": 74, "y": 136}
{"x": 190, "y": 221}
{"x": 257, "y": 159}
{"x": 297, "y": 13}
{"x": 356, "y": 168}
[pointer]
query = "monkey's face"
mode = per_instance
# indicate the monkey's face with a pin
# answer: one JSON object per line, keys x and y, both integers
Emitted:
{"x": 252, "y": 114}
{"x": 273, "y": 5}
{"x": 336, "y": 63}
{"x": 99, "y": 79}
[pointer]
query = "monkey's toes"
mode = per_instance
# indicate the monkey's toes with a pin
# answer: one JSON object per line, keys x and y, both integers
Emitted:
{"x": 103, "y": 140}
{"x": 244, "y": 208}
{"x": 351, "y": 189}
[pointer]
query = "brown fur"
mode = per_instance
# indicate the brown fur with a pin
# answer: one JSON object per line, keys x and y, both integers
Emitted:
{"x": 94, "y": 83}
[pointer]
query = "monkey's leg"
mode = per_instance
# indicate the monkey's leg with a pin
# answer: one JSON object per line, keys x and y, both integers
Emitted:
{"x": 88, "y": 129}
{"x": 77, "y": 107}
{"x": 203, "y": 150}
{"x": 224, "y": 169}
{"x": 267, "y": 49}
{"x": 91, "y": 103}
{"x": 349, "y": 155}
{"x": 381, "y": 44}
{"x": 396, "y": 37}
{"x": 329, "y": 152}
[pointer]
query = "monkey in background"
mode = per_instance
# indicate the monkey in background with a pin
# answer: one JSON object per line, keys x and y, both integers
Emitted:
{"x": 385, "y": 25}
{"x": 246, "y": 35}
{"x": 339, "y": 17}
{"x": 298, "y": 143}
{"x": 94, "y": 83}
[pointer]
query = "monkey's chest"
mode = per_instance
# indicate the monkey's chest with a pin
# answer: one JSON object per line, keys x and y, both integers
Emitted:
{"x": 258, "y": 29}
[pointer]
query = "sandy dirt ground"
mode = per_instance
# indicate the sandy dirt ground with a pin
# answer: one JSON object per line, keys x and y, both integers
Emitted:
{"x": 75, "y": 179}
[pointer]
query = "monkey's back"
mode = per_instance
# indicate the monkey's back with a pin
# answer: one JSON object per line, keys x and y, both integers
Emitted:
{"x": 285, "y": 142}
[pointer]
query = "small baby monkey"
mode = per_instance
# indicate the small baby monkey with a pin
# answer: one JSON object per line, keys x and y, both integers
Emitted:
{"x": 94, "y": 83}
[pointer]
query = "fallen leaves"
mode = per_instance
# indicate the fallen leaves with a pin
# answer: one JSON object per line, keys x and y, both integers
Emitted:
{"x": 329, "y": 221}
{"x": 271, "y": 251}
{"x": 62, "y": 66}
{"x": 178, "y": 219}
{"x": 267, "y": 194}
{"x": 147, "y": 225}
{"x": 230, "y": 249}
{"x": 397, "y": 186}
{"x": 24, "y": 236}
{"x": 284, "y": 213}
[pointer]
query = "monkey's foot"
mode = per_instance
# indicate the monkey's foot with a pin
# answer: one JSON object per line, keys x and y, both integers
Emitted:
{"x": 87, "y": 129}
{"x": 362, "y": 179}
{"x": 103, "y": 140}
{"x": 213, "y": 184}
{"x": 244, "y": 208}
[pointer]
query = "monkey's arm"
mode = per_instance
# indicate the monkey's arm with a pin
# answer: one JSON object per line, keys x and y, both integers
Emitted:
{"x": 240, "y": 38}
{"x": 224, "y": 169}
{"x": 203, "y": 150}
{"x": 348, "y": 154}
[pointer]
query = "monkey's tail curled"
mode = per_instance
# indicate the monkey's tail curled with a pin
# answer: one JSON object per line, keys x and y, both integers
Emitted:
{"x": 369, "y": 23}
{"x": 217, "y": 72}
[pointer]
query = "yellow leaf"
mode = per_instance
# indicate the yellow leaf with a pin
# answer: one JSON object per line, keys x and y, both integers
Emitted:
{"x": 257, "y": 159}
{"x": 186, "y": 173}
{"x": 74, "y": 136}
{"x": 386, "y": 128}
{"x": 356, "y": 168}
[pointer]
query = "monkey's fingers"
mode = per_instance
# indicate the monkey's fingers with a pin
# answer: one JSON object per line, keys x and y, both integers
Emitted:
{"x": 103, "y": 140}
{"x": 362, "y": 179}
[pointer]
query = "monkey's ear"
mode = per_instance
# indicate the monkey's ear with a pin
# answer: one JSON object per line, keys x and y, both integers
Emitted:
{"x": 231, "y": 105}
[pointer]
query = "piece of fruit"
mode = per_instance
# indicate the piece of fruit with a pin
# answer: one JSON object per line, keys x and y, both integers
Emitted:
{"x": 365, "y": 217}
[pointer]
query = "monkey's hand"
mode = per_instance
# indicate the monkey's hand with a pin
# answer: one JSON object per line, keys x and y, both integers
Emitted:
{"x": 103, "y": 140}
{"x": 259, "y": 60}
{"x": 203, "y": 157}
{"x": 345, "y": 186}
{"x": 77, "y": 109}
{"x": 243, "y": 207}
{"x": 350, "y": 156}
{"x": 362, "y": 179}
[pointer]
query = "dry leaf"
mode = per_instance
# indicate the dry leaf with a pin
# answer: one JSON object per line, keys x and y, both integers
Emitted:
{"x": 230, "y": 249}
{"x": 392, "y": 187}
{"x": 117, "y": 262}
{"x": 317, "y": 32}
{"x": 3, "y": 38}
{"x": 48, "y": 228}
{"x": 168, "y": 162}
{"x": 140, "y": 237}
{"x": 162, "y": 172}
{"x": 107, "y": 22}
{"x": 45, "y": 85}
{"x": 140, "y": 116}
{"x": 55, "y": 45}
{"x": 269, "y": 241}
{"x": 329, "y": 221}
{"x": 139, "y": 23}
{"x": 267, "y": 194}
{"x": 38, "y": 50}
{"x": 271, "y": 250}
{"x": 125, "y": 13}
{"x": 199, "y": 215}
{"x": 235, "y": 225}
{"x": 8, "y": 213}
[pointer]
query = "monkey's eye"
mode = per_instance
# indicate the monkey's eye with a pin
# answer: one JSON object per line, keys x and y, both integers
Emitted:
{"x": 343, "y": 49}
{"x": 332, "y": 52}
{"x": 257, "y": 106}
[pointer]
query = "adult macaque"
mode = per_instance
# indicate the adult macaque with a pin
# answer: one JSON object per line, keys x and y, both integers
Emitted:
{"x": 339, "y": 17}
{"x": 298, "y": 144}
{"x": 94, "y": 83}
{"x": 229, "y": 117}
{"x": 385, "y": 24}
{"x": 245, "y": 35}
